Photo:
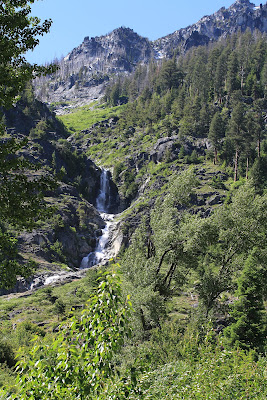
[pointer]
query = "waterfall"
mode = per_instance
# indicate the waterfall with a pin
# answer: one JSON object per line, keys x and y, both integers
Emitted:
{"x": 101, "y": 254}
{"x": 102, "y": 200}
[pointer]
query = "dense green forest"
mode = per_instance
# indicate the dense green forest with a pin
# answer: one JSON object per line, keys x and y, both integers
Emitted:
{"x": 181, "y": 313}
{"x": 216, "y": 92}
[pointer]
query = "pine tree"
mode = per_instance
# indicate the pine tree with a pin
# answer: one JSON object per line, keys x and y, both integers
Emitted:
{"x": 249, "y": 329}
{"x": 237, "y": 130}
{"x": 216, "y": 133}
{"x": 233, "y": 80}
{"x": 170, "y": 76}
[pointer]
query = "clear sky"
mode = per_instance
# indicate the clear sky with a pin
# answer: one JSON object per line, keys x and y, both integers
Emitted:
{"x": 75, "y": 19}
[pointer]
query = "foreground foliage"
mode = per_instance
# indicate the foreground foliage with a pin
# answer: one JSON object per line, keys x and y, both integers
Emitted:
{"x": 19, "y": 33}
{"x": 21, "y": 192}
{"x": 81, "y": 362}
{"x": 78, "y": 363}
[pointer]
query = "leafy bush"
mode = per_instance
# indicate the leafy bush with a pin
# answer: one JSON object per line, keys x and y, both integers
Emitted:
{"x": 7, "y": 354}
{"x": 118, "y": 168}
{"x": 217, "y": 183}
{"x": 57, "y": 249}
{"x": 25, "y": 332}
{"x": 78, "y": 363}
{"x": 40, "y": 131}
{"x": 59, "y": 307}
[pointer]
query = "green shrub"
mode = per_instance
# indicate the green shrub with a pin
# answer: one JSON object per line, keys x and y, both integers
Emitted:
{"x": 118, "y": 168}
{"x": 7, "y": 354}
{"x": 217, "y": 374}
{"x": 59, "y": 307}
{"x": 79, "y": 361}
{"x": 217, "y": 183}
{"x": 25, "y": 332}
{"x": 40, "y": 131}
{"x": 57, "y": 249}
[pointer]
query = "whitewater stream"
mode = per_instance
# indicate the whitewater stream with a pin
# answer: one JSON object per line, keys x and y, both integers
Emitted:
{"x": 103, "y": 251}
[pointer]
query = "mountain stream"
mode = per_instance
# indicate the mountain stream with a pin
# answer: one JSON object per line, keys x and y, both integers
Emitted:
{"x": 103, "y": 251}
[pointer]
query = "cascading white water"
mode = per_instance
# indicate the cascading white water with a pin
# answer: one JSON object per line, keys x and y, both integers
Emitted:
{"x": 102, "y": 252}
{"x": 101, "y": 255}
{"x": 102, "y": 200}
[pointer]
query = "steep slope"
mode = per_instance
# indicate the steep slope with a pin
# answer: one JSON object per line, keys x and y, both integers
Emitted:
{"x": 85, "y": 72}
{"x": 71, "y": 231}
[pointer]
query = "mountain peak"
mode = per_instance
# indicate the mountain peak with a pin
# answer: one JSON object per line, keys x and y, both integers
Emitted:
{"x": 123, "y": 30}
{"x": 242, "y": 3}
{"x": 86, "y": 69}
{"x": 118, "y": 33}
{"x": 242, "y": 14}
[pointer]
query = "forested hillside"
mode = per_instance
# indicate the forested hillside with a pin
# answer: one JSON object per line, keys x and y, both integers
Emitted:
{"x": 180, "y": 312}
{"x": 209, "y": 103}
{"x": 216, "y": 92}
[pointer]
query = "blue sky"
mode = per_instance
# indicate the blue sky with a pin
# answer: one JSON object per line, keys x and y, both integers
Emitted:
{"x": 75, "y": 19}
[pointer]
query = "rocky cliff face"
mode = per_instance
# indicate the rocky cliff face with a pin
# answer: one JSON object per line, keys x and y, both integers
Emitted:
{"x": 84, "y": 73}
{"x": 119, "y": 51}
{"x": 239, "y": 16}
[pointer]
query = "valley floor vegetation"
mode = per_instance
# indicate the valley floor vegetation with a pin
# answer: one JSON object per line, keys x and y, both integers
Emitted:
{"x": 193, "y": 327}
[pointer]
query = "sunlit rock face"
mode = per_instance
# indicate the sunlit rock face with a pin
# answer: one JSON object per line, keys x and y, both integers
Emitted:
{"x": 239, "y": 16}
{"x": 84, "y": 73}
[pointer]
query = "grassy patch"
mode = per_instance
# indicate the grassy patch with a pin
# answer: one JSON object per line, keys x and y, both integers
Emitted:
{"x": 84, "y": 117}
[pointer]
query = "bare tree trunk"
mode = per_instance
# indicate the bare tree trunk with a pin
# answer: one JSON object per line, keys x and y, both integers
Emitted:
{"x": 170, "y": 273}
{"x": 146, "y": 326}
{"x": 170, "y": 277}
{"x": 242, "y": 79}
{"x": 247, "y": 168}
{"x": 259, "y": 147}
{"x": 215, "y": 161}
{"x": 143, "y": 319}
{"x": 161, "y": 260}
{"x": 150, "y": 248}
{"x": 236, "y": 165}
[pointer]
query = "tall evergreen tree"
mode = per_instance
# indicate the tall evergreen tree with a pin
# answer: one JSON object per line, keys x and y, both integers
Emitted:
{"x": 237, "y": 130}
{"x": 220, "y": 77}
{"x": 216, "y": 133}
{"x": 233, "y": 80}
{"x": 170, "y": 76}
{"x": 249, "y": 328}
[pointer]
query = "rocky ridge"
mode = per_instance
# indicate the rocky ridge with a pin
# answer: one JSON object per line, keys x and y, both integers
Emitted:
{"x": 242, "y": 14}
{"x": 86, "y": 71}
